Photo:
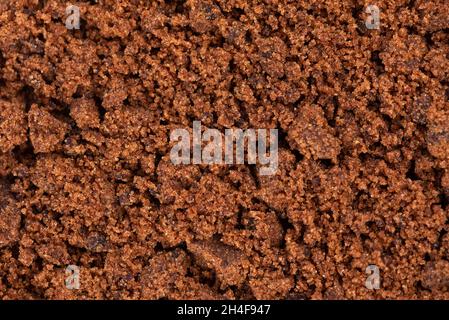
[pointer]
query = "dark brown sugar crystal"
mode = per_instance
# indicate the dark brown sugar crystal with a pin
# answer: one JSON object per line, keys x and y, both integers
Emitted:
{"x": 86, "y": 178}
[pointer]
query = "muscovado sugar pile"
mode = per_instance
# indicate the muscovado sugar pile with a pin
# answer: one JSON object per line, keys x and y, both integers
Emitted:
{"x": 86, "y": 178}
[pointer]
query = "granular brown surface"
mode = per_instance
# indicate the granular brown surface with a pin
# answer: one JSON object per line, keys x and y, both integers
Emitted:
{"x": 86, "y": 178}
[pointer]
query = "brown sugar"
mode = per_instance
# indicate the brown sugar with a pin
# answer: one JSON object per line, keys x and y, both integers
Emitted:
{"x": 45, "y": 130}
{"x": 85, "y": 172}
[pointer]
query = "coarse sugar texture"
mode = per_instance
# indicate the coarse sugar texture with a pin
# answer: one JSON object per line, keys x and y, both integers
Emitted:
{"x": 86, "y": 178}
